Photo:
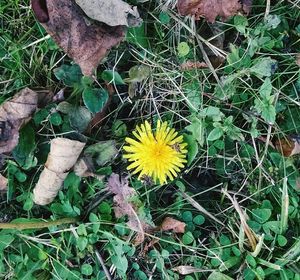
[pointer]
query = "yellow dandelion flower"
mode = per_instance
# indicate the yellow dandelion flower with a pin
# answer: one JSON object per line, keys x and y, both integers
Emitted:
{"x": 160, "y": 155}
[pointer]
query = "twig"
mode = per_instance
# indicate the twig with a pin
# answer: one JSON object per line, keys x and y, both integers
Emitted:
{"x": 37, "y": 225}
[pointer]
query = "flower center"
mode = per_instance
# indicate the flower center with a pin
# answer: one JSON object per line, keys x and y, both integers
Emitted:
{"x": 159, "y": 151}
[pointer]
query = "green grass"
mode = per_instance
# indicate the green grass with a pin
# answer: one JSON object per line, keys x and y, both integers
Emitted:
{"x": 228, "y": 119}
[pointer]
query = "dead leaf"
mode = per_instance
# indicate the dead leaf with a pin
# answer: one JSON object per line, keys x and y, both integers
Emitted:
{"x": 190, "y": 65}
{"x": 147, "y": 247}
{"x": 3, "y": 183}
{"x": 126, "y": 204}
{"x": 288, "y": 146}
{"x": 62, "y": 157}
{"x": 13, "y": 114}
{"x": 86, "y": 43}
{"x": 112, "y": 13}
{"x": 210, "y": 9}
{"x": 173, "y": 225}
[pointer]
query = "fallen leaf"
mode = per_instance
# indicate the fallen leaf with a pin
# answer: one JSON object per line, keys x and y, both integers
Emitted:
{"x": 13, "y": 114}
{"x": 126, "y": 203}
{"x": 210, "y": 9}
{"x": 86, "y": 43}
{"x": 288, "y": 146}
{"x": 62, "y": 157}
{"x": 190, "y": 65}
{"x": 112, "y": 13}
{"x": 3, "y": 183}
{"x": 173, "y": 225}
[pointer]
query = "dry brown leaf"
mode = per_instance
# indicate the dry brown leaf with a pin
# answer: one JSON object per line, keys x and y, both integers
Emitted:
{"x": 62, "y": 157}
{"x": 85, "y": 42}
{"x": 3, "y": 183}
{"x": 210, "y": 9}
{"x": 13, "y": 114}
{"x": 190, "y": 65}
{"x": 124, "y": 205}
{"x": 288, "y": 146}
{"x": 173, "y": 225}
{"x": 112, "y": 13}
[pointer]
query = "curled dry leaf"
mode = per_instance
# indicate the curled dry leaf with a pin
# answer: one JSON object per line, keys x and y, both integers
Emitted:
{"x": 173, "y": 225}
{"x": 86, "y": 43}
{"x": 210, "y": 9}
{"x": 3, "y": 183}
{"x": 288, "y": 146}
{"x": 190, "y": 65}
{"x": 112, "y": 13}
{"x": 62, "y": 157}
{"x": 13, "y": 114}
{"x": 126, "y": 204}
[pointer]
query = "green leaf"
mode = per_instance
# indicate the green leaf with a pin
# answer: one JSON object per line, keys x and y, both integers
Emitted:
{"x": 164, "y": 18}
{"x": 136, "y": 35}
{"x": 23, "y": 152}
{"x": 80, "y": 118}
{"x": 240, "y": 23}
{"x": 183, "y": 49}
{"x": 192, "y": 148}
{"x": 82, "y": 242}
{"x": 138, "y": 73}
{"x": 197, "y": 129}
{"x": 86, "y": 269}
{"x": 266, "y": 88}
{"x": 111, "y": 76}
{"x": 266, "y": 109}
{"x": 218, "y": 276}
{"x": 272, "y": 226}
{"x": 187, "y": 216}
{"x": 5, "y": 241}
{"x": 224, "y": 240}
{"x": 264, "y": 67}
{"x": 215, "y": 134}
{"x": 94, "y": 99}
{"x": 272, "y": 21}
{"x": 251, "y": 261}
{"x": 103, "y": 152}
{"x": 212, "y": 112}
{"x": 282, "y": 241}
{"x": 65, "y": 107}
{"x": 119, "y": 128}
{"x": 262, "y": 215}
{"x": 187, "y": 238}
{"x": 55, "y": 119}
{"x": 70, "y": 75}
{"x": 199, "y": 220}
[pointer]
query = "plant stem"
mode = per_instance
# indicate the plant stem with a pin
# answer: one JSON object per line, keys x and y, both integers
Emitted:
{"x": 37, "y": 224}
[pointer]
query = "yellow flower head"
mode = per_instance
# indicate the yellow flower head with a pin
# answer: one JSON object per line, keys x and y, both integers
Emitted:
{"x": 158, "y": 155}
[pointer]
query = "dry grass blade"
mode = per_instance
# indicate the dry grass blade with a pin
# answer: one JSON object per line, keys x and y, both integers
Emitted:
{"x": 251, "y": 236}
